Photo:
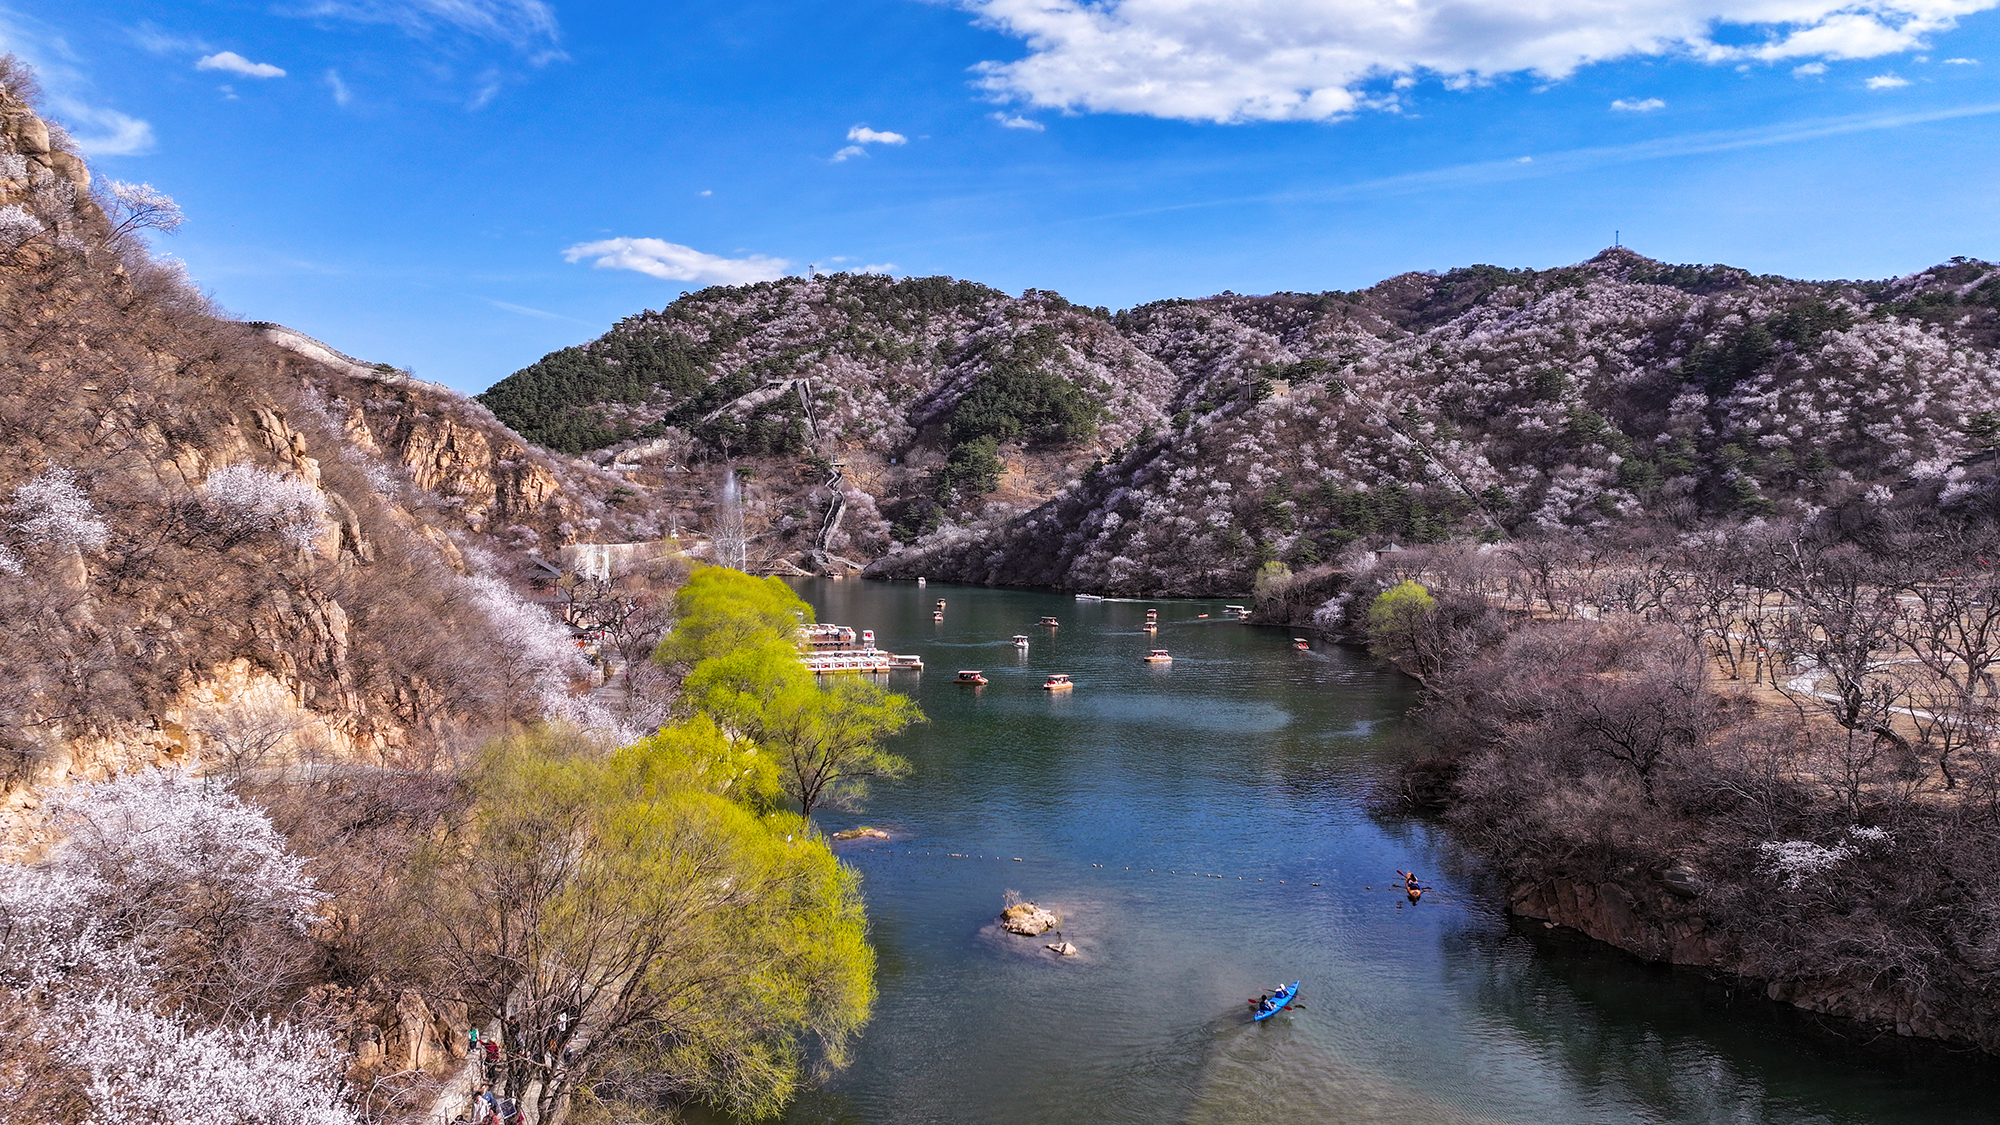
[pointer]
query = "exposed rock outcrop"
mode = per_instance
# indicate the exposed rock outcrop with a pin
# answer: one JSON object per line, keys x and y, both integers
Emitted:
{"x": 1663, "y": 922}
{"x": 1028, "y": 920}
{"x": 1654, "y": 924}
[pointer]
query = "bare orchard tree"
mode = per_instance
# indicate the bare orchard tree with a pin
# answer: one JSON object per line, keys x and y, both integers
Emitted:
{"x": 1708, "y": 604}
{"x": 1547, "y": 565}
{"x": 633, "y": 607}
{"x": 1949, "y": 725}
{"x": 1951, "y": 625}
{"x": 1637, "y": 586}
{"x": 1648, "y": 715}
{"x": 1844, "y": 632}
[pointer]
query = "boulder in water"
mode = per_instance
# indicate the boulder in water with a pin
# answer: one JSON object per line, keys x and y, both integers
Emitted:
{"x": 1027, "y": 919}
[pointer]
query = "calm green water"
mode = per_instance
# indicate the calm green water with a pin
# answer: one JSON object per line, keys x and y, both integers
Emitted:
{"x": 1120, "y": 806}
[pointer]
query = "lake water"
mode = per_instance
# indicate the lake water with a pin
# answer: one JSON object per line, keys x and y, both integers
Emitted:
{"x": 1204, "y": 830}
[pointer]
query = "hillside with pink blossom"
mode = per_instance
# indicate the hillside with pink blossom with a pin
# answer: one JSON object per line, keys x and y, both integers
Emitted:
{"x": 1179, "y": 446}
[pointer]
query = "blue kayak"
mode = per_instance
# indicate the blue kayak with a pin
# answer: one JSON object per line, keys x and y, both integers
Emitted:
{"x": 1279, "y": 1001}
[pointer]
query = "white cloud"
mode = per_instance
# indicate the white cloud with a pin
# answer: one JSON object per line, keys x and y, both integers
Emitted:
{"x": 1404, "y": 81}
{"x": 849, "y": 151}
{"x": 1810, "y": 68}
{"x": 237, "y": 64}
{"x": 522, "y": 23}
{"x": 341, "y": 94}
{"x": 1016, "y": 121}
{"x": 1886, "y": 82}
{"x": 1276, "y": 60}
{"x": 705, "y": 193}
{"x": 881, "y": 268}
{"x": 670, "y": 261}
{"x": 1630, "y": 105}
{"x": 862, "y": 134}
{"x": 105, "y": 132}
{"x": 1961, "y": 62}
{"x": 1524, "y": 160}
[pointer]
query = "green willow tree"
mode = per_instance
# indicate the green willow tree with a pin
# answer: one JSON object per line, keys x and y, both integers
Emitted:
{"x": 649, "y": 931}
{"x": 826, "y": 741}
{"x": 1404, "y": 625}
{"x": 719, "y": 611}
{"x": 737, "y": 635}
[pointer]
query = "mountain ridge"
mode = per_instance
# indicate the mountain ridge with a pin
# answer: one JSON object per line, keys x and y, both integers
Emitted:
{"x": 1478, "y": 402}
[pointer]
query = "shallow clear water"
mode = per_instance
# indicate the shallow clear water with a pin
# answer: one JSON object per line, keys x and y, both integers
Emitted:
{"x": 1202, "y": 828}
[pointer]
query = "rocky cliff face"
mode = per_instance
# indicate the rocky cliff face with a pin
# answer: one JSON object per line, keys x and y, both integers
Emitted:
{"x": 1652, "y": 923}
{"x": 231, "y": 542}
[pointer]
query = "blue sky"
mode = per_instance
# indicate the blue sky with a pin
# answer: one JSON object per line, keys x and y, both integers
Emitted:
{"x": 463, "y": 185}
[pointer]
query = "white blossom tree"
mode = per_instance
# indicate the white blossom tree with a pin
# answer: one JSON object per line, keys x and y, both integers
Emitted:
{"x": 245, "y": 500}
{"x": 136, "y": 207}
{"x": 53, "y": 510}
{"x": 145, "y": 1067}
{"x": 116, "y": 954}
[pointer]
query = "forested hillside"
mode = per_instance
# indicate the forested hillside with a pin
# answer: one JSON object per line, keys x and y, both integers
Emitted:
{"x": 1178, "y": 446}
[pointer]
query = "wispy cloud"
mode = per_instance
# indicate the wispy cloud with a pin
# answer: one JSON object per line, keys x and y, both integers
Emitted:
{"x": 1961, "y": 62}
{"x": 237, "y": 64}
{"x": 105, "y": 132}
{"x": 524, "y": 310}
{"x": 1634, "y": 105}
{"x": 1809, "y": 69}
{"x": 1314, "y": 60}
{"x": 848, "y": 153}
{"x": 1016, "y": 121}
{"x": 1572, "y": 161}
{"x": 527, "y": 24}
{"x": 97, "y": 129}
{"x": 670, "y": 261}
{"x": 1886, "y": 82}
{"x": 490, "y": 84}
{"x": 154, "y": 39}
{"x": 341, "y": 94}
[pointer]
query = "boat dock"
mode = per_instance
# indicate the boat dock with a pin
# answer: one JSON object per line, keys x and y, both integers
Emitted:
{"x": 827, "y": 649}
{"x": 826, "y": 636}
